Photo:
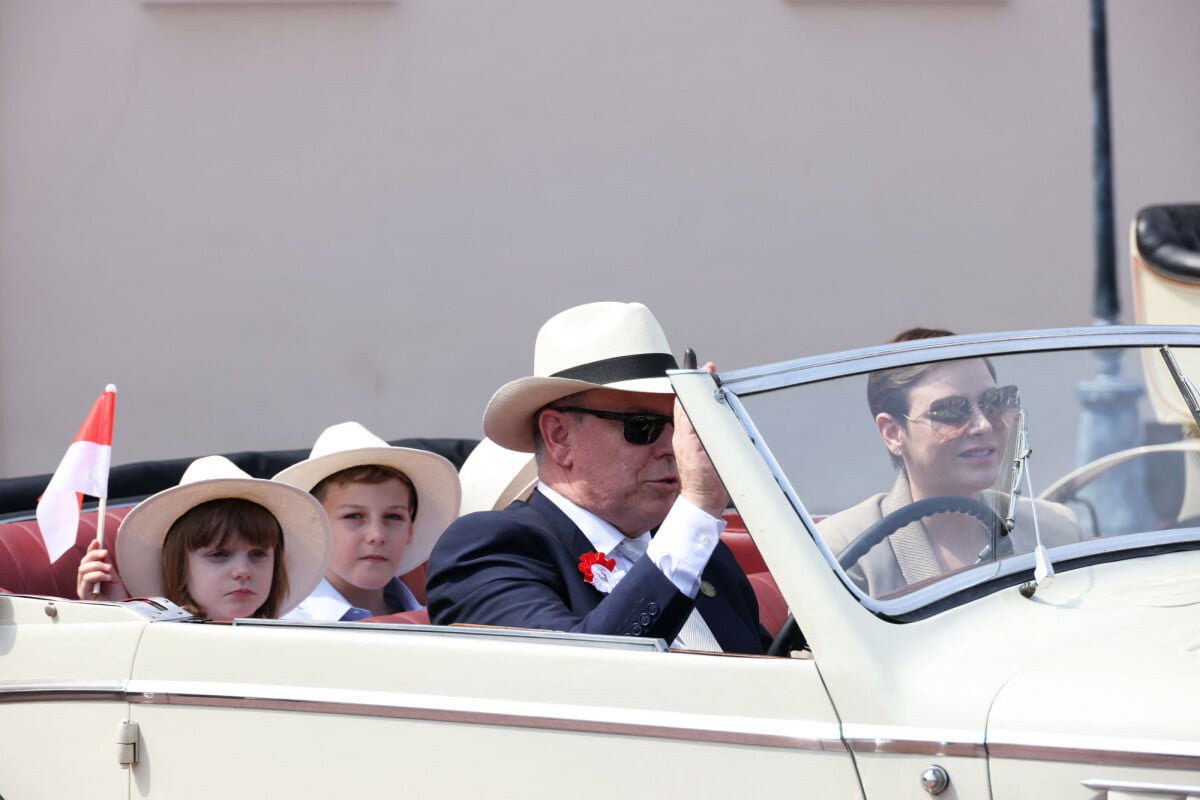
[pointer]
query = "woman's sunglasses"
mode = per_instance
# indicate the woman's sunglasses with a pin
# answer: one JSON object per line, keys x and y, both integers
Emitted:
{"x": 640, "y": 428}
{"x": 957, "y": 412}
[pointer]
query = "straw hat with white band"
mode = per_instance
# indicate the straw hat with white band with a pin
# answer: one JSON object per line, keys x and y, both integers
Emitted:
{"x": 305, "y": 527}
{"x": 349, "y": 444}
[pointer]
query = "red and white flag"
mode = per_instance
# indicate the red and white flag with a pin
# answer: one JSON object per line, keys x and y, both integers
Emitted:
{"x": 83, "y": 470}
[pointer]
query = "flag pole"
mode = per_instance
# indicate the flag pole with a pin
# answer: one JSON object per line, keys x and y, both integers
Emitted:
{"x": 109, "y": 389}
{"x": 99, "y": 537}
{"x": 102, "y": 508}
{"x": 100, "y": 521}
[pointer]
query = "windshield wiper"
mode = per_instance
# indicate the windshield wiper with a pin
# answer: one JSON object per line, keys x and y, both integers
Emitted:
{"x": 1185, "y": 386}
{"x": 1021, "y": 454}
{"x": 1043, "y": 570}
{"x": 998, "y": 547}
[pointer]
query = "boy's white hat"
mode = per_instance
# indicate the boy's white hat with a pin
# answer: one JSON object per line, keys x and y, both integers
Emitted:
{"x": 307, "y": 543}
{"x": 494, "y": 476}
{"x": 349, "y": 444}
{"x": 597, "y": 345}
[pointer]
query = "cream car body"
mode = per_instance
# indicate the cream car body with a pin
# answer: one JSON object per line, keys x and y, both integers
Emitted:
{"x": 1086, "y": 685}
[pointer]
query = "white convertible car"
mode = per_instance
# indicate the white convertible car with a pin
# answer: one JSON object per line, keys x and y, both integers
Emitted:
{"x": 989, "y": 547}
{"x": 1060, "y": 660}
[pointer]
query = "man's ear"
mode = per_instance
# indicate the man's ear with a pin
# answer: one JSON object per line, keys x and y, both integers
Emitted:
{"x": 890, "y": 430}
{"x": 557, "y": 436}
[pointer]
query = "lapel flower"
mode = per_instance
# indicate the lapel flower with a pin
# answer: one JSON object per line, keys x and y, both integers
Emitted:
{"x": 597, "y": 570}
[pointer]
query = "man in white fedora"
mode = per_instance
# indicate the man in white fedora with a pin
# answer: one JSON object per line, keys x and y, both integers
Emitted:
{"x": 579, "y": 555}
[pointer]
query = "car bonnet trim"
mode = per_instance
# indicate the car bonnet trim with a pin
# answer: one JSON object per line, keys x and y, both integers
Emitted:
{"x": 1084, "y": 749}
{"x": 1024, "y": 746}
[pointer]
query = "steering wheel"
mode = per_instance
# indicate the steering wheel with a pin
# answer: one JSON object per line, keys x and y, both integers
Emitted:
{"x": 942, "y": 504}
{"x": 790, "y": 637}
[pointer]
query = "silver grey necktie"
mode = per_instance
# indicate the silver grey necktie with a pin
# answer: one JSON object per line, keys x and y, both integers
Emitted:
{"x": 695, "y": 633}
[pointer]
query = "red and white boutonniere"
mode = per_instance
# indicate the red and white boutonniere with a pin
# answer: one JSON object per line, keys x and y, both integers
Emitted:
{"x": 597, "y": 570}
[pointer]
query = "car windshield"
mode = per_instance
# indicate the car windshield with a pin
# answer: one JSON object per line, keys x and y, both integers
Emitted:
{"x": 948, "y": 468}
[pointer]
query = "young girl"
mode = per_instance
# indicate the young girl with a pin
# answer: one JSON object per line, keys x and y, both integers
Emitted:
{"x": 386, "y": 505}
{"x": 221, "y": 544}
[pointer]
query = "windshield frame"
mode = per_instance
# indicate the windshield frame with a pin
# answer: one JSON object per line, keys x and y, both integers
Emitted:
{"x": 965, "y": 585}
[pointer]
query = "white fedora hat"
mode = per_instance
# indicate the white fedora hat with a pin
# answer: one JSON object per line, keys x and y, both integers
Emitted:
{"x": 349, "y": 444}
{"x": 494, "y": 476}
{"x": 597, "y": 345}
{"x": 307, "y": 543}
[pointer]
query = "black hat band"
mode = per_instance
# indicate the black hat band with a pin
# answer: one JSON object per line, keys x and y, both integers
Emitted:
{"x": 621, "y": 368}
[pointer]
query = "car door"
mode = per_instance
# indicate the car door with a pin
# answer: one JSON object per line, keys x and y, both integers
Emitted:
{"x": 344, "y": 709}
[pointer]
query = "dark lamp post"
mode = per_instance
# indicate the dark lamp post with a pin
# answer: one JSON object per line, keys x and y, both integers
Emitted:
{"x": 1108, "y": 420}
{"x": 1105, "y": 305}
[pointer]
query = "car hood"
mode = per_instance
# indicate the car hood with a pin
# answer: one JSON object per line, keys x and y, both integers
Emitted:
{"x": 1128, "y": 681}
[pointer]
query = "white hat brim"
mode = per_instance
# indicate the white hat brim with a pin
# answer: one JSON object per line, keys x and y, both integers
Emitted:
{"x": 508, "y": 418}
{"x": 494, "y": 476}
{"x": 306, "y": 535}
{"x": 434, "y": 478}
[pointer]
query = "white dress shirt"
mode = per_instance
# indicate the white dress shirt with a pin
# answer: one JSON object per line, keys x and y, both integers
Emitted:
{"x": 327, "y": 603}
{"x": 681, "y": 548}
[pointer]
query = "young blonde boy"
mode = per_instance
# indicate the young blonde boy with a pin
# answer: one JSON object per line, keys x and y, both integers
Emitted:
{"x": 386, "y": 507}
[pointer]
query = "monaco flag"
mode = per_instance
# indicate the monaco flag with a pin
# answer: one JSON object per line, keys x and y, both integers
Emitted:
{"x": 83, "y": 470}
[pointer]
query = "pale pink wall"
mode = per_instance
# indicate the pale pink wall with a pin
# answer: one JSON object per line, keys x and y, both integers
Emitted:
{"x": 259, "y": 219}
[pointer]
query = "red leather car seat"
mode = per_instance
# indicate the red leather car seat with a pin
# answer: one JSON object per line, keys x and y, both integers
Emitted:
{"x": 25, "y": 567}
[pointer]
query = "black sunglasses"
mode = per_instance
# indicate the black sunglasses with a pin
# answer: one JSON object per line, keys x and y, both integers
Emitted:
{"x": 957, "y": 412}
{"x": 640, "y": 428}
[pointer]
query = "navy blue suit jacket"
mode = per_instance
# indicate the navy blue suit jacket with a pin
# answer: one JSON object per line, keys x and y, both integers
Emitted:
{"x": 519, "y": 567}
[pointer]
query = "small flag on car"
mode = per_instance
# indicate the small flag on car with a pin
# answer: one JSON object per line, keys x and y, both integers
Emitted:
{"x": 83, "y": 470}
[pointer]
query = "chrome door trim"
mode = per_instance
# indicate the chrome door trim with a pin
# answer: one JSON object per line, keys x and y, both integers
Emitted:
{"x": 678, "y": 726}
{"x": 899, "y": 739}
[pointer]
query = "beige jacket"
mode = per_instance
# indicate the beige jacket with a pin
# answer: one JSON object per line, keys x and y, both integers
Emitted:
{"x": 906, "y": 557}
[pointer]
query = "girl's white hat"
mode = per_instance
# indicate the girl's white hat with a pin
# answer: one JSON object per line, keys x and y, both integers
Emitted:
{"x": 349, "y": 444}
{"x": 307, "y": 543}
